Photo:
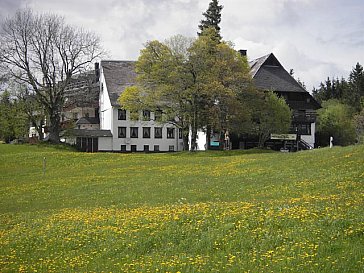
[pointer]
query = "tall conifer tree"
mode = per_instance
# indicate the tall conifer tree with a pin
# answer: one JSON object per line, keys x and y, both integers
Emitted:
{"x": 212, "y": 18}
{"x": 356, "y": 84}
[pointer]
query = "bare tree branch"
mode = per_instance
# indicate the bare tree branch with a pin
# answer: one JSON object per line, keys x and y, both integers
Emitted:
{"x": 43, "y": 51}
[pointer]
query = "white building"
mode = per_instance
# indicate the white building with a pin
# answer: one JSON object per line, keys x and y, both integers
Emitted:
{"x": 145, "y": 134}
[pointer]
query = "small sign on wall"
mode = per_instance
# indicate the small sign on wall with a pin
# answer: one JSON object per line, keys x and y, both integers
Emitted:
{"x": 283, "y": 136}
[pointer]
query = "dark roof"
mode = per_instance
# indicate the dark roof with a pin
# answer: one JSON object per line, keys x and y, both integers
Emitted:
{"x": 269, "y": 74}
{"x": 82, "y": 91}
{"x": 118, "y": 75}
{"x": 256, "y": 64}
{"x": 304, "y": 104}
{"x": 88, "y": 120}
{"x": 87, "y": 133}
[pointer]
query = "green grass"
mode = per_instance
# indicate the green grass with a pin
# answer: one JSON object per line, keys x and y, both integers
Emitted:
{"x": 238, "y": 211}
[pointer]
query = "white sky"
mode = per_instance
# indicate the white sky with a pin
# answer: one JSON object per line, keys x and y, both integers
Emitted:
{"x": 317, "y": 38}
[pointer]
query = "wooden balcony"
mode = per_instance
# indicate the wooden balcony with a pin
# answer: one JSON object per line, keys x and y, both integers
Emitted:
{"x": 304, "y": 117}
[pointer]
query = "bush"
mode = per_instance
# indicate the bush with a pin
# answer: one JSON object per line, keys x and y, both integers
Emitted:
{"x": 335, "y": 119}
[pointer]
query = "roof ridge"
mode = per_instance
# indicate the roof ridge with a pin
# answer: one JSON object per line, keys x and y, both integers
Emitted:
{"x": 262, "y": 57}
{"x": 118, "y": 61}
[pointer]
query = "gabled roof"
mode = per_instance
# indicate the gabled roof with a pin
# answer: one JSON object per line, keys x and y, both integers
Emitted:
{"x": 118, "y": 75}
{"x": 269, "y": 74}
{"x": 256, "y": 64}
{"x": 88, "y": 120}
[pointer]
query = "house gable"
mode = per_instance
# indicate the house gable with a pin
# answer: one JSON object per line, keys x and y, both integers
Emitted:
{"x": 269, "y": 74}
{"x": 118, "y": 75}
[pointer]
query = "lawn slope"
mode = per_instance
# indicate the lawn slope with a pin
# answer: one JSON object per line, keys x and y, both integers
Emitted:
{"x": 239, "y": 211}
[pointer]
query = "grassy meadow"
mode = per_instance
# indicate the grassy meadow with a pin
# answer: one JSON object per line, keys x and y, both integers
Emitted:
{"x": 237, "y": 211}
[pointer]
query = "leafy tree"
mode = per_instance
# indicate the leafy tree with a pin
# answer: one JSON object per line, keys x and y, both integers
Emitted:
{"x": 335, "y": 119}
{"x": 271, "y": 115}
{"x": 163, "y": 83}
{"x": 359, "y": 126}
{"x": 44, "y": 52}
{"x": 31, "y": 107}
{"x": 13, "y": 122}
{"x": 212, "y": 19}
{"x": 220, "y": 76}
{"x": 196, "y": 85}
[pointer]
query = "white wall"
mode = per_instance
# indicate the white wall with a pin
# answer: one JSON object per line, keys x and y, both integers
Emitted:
{"x": 106, "y": 110}
{"x": 310, "y": 139}
{"x": 201, "y": 141}
{"x": 164, "y": 142}
{"x": 105, "y": 143}
{"x": 33, "y": 132}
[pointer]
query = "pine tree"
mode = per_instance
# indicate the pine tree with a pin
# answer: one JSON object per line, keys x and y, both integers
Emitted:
{"x": 356, "y": 84}
{"x": 212, "y": 18}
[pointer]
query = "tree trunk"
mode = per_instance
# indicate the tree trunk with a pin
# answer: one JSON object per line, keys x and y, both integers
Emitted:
{"x": 263, "y": 137}
{"x": 54, "y": 127}
{"x": 185, "y": 134}
{"x": 39, "y": 129}
{"x": 208, "y": 137}
{"x": 193, "y": 138}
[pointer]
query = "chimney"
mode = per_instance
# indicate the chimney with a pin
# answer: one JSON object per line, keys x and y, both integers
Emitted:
{"x": 242, "y": 52}
{"x": 97, "y": 71}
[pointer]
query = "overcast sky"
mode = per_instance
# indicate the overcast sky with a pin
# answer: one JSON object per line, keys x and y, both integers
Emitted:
{"x": 316, "y": 38}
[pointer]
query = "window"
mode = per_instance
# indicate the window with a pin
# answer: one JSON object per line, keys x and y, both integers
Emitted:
{"x": 75, "y": 115}
{"x": 146, "y": 148}
{"x": 121, "y": 114}
{"x": 158, "y": 115}
{"x": 156, "y": 148}
{"x": 304, "y": 129}
{"x": 146, "y": 115}
{"x": 301, "y": 129}
{"x": 133, "y": 148}
{"x": 170, "y": 132}
{"x": 146, "y": 132}
{"x": 123, "y": 148}
{"x": 171, "y": 148}
{"x": 134, "y": 132}
{"x": 157, "y": 132}
{"x": 121, "y": 132}
{"x": 180, "y": 133}
{"x": 87, "y": 115}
